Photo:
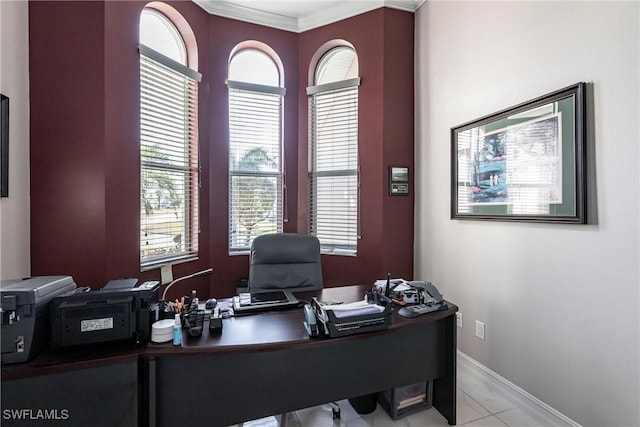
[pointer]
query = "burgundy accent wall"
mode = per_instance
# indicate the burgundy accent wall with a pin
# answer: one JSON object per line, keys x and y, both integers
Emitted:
{"x": 85, "y": 146}
{"x": 85, "y": 180}
{"x": 67, "y": 153}
{"x": 398, "y": 141}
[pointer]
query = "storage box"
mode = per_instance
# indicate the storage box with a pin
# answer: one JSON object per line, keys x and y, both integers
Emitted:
{"x": 402, "y": 401}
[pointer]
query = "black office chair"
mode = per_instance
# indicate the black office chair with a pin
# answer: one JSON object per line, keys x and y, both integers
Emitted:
{"x": 288, "y": 261}
{"x": 285, "y": 261}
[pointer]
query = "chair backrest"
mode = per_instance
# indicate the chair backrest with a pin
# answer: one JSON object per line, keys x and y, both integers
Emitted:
{"x": 285, "y": 261}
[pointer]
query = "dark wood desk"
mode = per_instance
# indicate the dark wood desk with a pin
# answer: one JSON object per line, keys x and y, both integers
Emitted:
{"x": 265, "y": 364}
{"x": 261, "y": 365}
{"x": 98, "y": 385}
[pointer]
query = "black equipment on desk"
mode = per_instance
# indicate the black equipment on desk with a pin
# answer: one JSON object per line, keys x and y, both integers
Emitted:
{"x": 215, "y": 322}
{"x": 25, "y": 314}
{"x": 339, "y": 320}
{"x": 428, "y": 299}
{"x": 116, "y": 312}
{"x": 193, "y": 322}
{"x": 265, "y": 300}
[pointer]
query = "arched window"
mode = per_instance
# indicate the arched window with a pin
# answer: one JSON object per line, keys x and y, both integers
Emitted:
{"x": 333, "y": 163}
{"x": 169, "y": 170}
{"x": 256, "y": 171}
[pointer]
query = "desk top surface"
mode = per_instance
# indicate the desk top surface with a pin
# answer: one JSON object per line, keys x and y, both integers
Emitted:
{"x": 256, "y": 332}
{"x": 282, "y": 328}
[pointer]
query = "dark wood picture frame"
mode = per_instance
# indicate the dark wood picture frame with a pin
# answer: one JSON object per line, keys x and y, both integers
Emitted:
{"x": 4, "y": 146}
{"x": 524, "y": 163}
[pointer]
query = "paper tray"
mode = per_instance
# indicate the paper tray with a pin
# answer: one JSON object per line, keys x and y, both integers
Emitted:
{"x": 334, "y": 326}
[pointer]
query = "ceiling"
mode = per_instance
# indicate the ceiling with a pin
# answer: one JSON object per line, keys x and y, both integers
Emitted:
{"x": 299, "y": 15}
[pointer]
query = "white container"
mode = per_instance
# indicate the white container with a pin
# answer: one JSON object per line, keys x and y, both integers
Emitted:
{"x": 162, "y": 331}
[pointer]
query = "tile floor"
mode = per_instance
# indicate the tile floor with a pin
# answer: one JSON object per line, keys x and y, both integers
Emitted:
{"x": 477, "y": 406}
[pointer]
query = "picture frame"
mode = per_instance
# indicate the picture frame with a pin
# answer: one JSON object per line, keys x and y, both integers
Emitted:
{"x": 4, "y": 146}
{"x": 398, "y": 180}
{"x": 525, "y": 163}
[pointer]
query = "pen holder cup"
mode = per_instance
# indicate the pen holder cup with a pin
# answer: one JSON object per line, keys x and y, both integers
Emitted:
{"x": 193, "y": 321}
{"x": 165, "y": 311}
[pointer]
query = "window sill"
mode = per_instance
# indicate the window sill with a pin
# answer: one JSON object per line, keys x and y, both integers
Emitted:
{"x": 169, "y": 261}
{"x": 240, "y": 252}
{"x": 339, "y": 252}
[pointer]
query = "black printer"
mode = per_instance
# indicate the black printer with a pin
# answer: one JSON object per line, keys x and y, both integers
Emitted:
{"x": 118, "y": 311}
{"x": 25, "y": 314}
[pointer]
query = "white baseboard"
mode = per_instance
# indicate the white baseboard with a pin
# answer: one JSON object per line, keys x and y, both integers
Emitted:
{"x": 512, "y": 392}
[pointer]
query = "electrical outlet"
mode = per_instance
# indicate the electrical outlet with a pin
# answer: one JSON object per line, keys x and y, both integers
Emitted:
{"x": 480, "y": 329}
{"x": 459, "y": 319}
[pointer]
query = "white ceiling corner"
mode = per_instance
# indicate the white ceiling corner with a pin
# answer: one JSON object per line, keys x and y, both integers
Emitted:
{"x": 299, "y": 15}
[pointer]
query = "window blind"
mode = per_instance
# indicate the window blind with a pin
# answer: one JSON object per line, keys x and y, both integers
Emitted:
{"x": 333, "y": 177}
{"x": 169, "y": 166}
{"x": 256, "y": 177}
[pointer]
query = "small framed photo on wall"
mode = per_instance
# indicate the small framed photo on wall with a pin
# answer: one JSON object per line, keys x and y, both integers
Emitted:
{"x": 398, "y": 180}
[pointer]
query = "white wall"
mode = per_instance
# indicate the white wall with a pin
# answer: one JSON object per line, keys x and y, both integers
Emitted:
{"x": 14, "y": 82}
{"x": 560, "y": 302}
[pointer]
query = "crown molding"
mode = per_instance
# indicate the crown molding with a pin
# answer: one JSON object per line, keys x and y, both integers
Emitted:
{"x": 337, "y": 12}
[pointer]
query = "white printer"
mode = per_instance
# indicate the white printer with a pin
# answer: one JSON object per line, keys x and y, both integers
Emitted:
{"x": 25, "y": 314}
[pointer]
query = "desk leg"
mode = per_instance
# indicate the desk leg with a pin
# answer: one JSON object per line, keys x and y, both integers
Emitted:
{"x": 147, "y": 393}
{"x": 444, "y": 389}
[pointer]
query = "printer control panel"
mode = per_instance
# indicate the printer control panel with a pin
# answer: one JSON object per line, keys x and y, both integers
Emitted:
{"x": 149, "y": 285}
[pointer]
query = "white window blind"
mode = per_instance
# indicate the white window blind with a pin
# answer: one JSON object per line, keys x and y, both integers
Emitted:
{"x": 255, "y": 163}
{"x": 333, "y": 177}
{"x": 169, "y": 160}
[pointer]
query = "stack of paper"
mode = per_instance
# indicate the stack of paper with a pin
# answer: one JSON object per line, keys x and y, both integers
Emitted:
{"x": 358, "y": 308}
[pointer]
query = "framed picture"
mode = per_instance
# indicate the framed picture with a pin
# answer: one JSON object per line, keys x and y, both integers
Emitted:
{"x": 398, "y": 180}
{"x": 525, "y": 163}
{"x": 4, "y": 146}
